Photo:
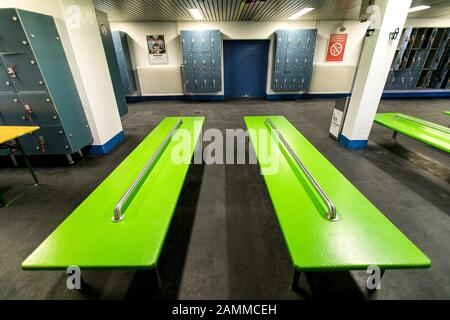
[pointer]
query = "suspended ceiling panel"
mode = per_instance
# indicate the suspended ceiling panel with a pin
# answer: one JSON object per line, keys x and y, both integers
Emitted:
{"x": 249, "y": 10}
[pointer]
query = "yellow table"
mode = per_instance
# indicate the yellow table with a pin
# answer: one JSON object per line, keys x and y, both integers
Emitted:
{"x": 9, "y": 139}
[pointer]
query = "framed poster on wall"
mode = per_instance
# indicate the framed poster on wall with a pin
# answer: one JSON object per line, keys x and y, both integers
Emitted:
{"x": 336, "y": 47}
{"x": 157, "y": 49}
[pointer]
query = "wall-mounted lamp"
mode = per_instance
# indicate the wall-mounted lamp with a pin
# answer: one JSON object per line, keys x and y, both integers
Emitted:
{"x": 394, "y": 34}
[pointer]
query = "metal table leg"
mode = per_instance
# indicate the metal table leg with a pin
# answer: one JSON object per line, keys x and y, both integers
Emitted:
{"x": 25, "y": 157}
{"x": 3, "y": 201}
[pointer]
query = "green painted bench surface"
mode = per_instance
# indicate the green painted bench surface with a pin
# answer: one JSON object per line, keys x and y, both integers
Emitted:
{"x": 89, "y": 239}
{"x": 428, "y": 135}
{"x": 362, "y": 237}
{"x": 447, "y": 113}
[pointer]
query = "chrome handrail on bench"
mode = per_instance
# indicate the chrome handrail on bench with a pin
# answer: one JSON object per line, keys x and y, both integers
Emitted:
{"x": 331, "y": 214}
{"x": 118, "y": 214}
{"x": 425, "y": 123}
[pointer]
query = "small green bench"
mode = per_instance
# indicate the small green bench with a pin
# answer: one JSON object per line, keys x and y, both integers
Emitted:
{"x": 328, "y": 225}
{"x": 124, "y": 222}
{"x": 430, "y": 133}
{"x": 447, "y": 113}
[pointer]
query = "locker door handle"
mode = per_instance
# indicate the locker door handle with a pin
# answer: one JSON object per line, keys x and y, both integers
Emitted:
{"x": 12, "y": 72}
{"x": 214, "y": 83}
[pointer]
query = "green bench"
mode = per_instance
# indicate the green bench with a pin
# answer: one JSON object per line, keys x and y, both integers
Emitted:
{"x": 430, "y": 133}
{"x": 447, "y": 113}
{"x": 328, "y": 225}
{"x": 124, "y": 222}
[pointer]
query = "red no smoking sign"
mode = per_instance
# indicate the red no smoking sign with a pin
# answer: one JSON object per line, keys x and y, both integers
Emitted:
{"x": 336, "y": 47}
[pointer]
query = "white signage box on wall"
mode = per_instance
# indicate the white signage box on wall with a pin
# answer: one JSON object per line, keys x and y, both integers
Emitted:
{"x": 338, "y": 118}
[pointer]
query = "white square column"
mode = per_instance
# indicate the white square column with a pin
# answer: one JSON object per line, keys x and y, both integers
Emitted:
{"x": 376, "y": 59}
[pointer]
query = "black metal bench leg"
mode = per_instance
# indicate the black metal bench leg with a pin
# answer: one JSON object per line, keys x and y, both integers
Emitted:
{"x": 295, "y": 281}
{"x": 25, "y": 157}
{"x": 394, "y": 135}
{"x": 158, "y": 277}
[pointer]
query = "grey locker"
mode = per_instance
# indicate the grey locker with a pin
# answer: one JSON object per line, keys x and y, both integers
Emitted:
{"x": 294, "y": 41}
{"x": 26, "y": 75}
{"x": 289, "y": 81}
{"x": 418, "y": 62}
{"x": 189, "y": 81}
{"x": 39, "y": 108}
{"x": 299, "y": 58}
{"x": 282, "y": 38}
{"x": 280, "y": 60}
{"x": 289, "y": 62}
{"x": 419, "y": 59}
{"x": 308, "y": 60}
{"x": 52, "y": 140}
{"x": 389, "y": 80}
{"x": 188, "y": 63}
{"x": 216, "y": 62}
{"x": 186, "y": 41}
{"x": 309, "y": 39}
{"x": 201, "y": 41}
{"x": 124, "y": 59}
{"x": 216, "y": 82}
{"x": 12, "y": 35}
{"x": 111, "y": 59}
{"x": 278, "y": 81}
{"x": 30, "y": 144}
{"x": 202, "y": 82}
{"x": 11, "y": 110}
{"x": 42, "y": 90}
{"x": 216, "y": 40}
{"x": 402, "y": 46}
{"x": 304, "y": 83}
{"x": 5, "y": 81}
{"x": 293, "y": 59}
{"x": 202, "y": 60}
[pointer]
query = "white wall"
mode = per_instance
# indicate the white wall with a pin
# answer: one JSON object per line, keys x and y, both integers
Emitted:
{"x": 327, "y": 77}
{"x": 84, "y": 50}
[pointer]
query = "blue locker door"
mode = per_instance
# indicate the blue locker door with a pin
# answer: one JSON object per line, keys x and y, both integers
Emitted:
{"x": 245, "y": 68}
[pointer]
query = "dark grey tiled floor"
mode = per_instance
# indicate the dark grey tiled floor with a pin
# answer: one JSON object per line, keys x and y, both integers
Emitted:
{"x": 225, "y": 241}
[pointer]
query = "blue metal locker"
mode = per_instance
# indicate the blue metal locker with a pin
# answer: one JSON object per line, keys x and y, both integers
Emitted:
{"x": 201, "y": 60}
{"x": 120, "y": 40}
{"x": 113, "y": 64}
{"x": 293, "y": 59}
{"x": 186, "y": 41}
{"x": 216, "y": 40}
{"x": 41, "y": 88}
{"x": 201, "y": 41}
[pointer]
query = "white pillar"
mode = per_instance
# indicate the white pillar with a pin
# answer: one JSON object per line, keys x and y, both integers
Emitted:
{"x": 373, "y": 70}
{"x": 100, "y": 105}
